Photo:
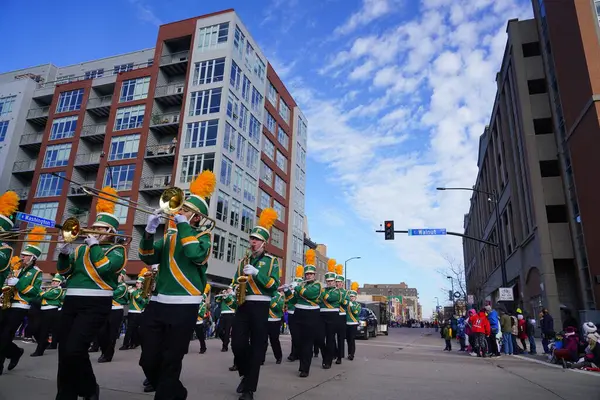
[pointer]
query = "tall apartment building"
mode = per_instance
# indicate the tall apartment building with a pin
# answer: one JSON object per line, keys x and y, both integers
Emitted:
{"x": 518, "y": 158}
{"x": 202, "y": 99}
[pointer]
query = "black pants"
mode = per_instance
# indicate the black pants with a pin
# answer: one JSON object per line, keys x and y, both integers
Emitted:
{"x": 249, "y": 334}
{"x": 201, "y": 333}
{"x": 132, "y": 337}
{"x": 47, "y": 320}
{"x": 294, "y": 335}
{"x": 225, "y": 324}
{"x": 274, "y": 328}
{"x": 81, "y": 319}
{"x": 448, "y": 345}
{"x": 493, "y": 343}
{"x": 340, "y": 336}
{"x": 56, "y": 329}
{"x": 108, "y": 335}
{"x": 166, "y": 338}
{"x": 11, "y": 320}
{"x": 351, "y": 338}
{"x": 330, "y": 323}
{"x": 307, "y": 327}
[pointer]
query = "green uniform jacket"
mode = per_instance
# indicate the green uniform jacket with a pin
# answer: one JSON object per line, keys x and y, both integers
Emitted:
{"x": 290, "y": 300}
{"x": 6, "y": 253}
{"x": 201, "y": 313}
{"x": 181, "y": 257}
{"x": 51, "y": 298}
{"x": 28, "y": 288}
{"x": 353, "y": 311}
{"x": 263, "y": 285}
{"x": 227, "y": 303}
{"x": 120, "y": 296}
{"x": 344, "y": 302}
{"x": 330, "y": 300}
{"x": 137, "y": 302}
{"x": 92, "y": 271}
{"x": 276, "y": 309}
{"x": 308, "y": 295}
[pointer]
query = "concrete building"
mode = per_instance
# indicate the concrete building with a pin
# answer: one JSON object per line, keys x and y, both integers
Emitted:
{"x": 407, "y": 309}
{"x": 205, "y": 98}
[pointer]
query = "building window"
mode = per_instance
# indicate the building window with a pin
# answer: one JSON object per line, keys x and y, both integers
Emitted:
{"x": 192, "y": 165}
{"x": 236, "y": 76}
{"x": 222, "y": 206}
{"x": 124, "y": 147}
{"x": 280, "y": 186}
{"x": 266, "y": 174}
{"x": 232, "y": 106}
{"x": 201, "y": 134}
{"x": 229, "y": 138}
{"x": 282, "y": 137}
{"x": 209, "y": 71}
{"x": 57, "y": 155}
{"x": 69, "y": 101}
{"x": 242, "y": 248}
{"x": 549, "y": 168}
{"x": 122, "y": 68}
{"x": 63, "y": 128}
{"x": 226, "y": 168}
{"x": 121, "y": 210}
{"x": 243, "y": 120}
{"x": 238, "y": 180}
{"x": 65, "y": 79}
{"x": 302, "y": 131}
{"x": 272, "y": 95}
{"x": 96, "y": 73}
{"x": 270, "y": 123}
{"x": 6, "y": 104}
{"x": 122, "y": 177}
{"x": 45, "y": 210}
{"x": 130, "y": 117}
{"x": 268, "y": 148}
{"x": 556, "y": 214}
{"x": 531, "y": 49}
{"x": 254, "y": 130}
{"x": 205, "y": 102}
{"x": 241, "y": 147}
{"x": 49, "y": 185}
{"x": 250, "y": 187}
{"x": 298, "y": 223}
{"x": 300, "y": 155}
{"x": 280, "y": 210}
{"x": 537, "y": 86}
{"x": 213, "y": 37}
{"x": 252, "y": 158}
{"x": 239, "y": 41}
{"x": 265, "y": 200}
{"x": 150, "y": 62}
{"x": 543, "y": 126}
{"x": 259, "y": 69}
{"x": 281, "y": 161}
{"x": 234, "y": 215}
{"x": 284, "y": 111}
{"x": 3, "y": 130}
{"x": 277, "y": 238}
{"x": 249, "y": 58}
{"x": 231, "y": 245}
{"x": 246, "y": 87}
{"x": 247, "y": 219}
{"x": 218, "y": 243}
{"x": 256, "y": 100}
{"x": 135, "y": 89}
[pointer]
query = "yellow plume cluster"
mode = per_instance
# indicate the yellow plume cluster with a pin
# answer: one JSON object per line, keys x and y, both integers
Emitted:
{"x": 36, "y": 235}
{"x": 311, "y": 256}
{"x": 15, "y": 263}
{"x": 267, "y": 218}
{"x": 9, "y": 203}
{"x": 299, "y": 271}
{"x": 106, "y": 203}
{"x": 339, "y": 269}
{"x": 204, "y": 184}
{"x": 354, "y": 286}
{"x": 143, "y": 272}
{"x": 331, "y": 265}
{"x": 207, "y": 288}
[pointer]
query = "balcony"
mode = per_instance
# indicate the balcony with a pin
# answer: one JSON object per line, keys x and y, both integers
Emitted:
{"x": 165, "y": 123}
{"x": 88, "y": 162}
{"x": 161, "y": 153}
{"x": 23, "y": 193}
{"x": 94, "y": 133}
{"x": 176, "y": 63}
{"x": 32, "y": 141}
{"x": 155, "y": 184}
{"x": 25, "y": 167}
{"x": 38, "y": 115}
{"x": 76, "y": 190}
{"x": 81, "y": 217}
{"x": 99, "y": 106}
{"x": 170, "y": 95}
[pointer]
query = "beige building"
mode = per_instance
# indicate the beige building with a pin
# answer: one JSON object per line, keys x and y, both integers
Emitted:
{"x": 322, "y": 260}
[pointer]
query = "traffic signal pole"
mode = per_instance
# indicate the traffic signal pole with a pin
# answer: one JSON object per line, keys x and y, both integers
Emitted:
{"x": 455, "y": 234}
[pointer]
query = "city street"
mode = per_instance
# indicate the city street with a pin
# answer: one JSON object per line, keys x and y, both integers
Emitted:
{"x": 407, "y": 364}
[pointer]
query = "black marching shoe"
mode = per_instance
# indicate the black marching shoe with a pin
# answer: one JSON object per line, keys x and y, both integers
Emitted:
{"x": 291, "y": 358}
{"x": 146, "y": 382}
{"x": 36, "y": 354}
{"x": 303, "y": 374}
{"x": 95, "y": 396}
{"x": 149, "y": 389}
{"x": 233, "y": 368}
{"x": 104, "y": 359}
{"x": 278, "y": 361}
{"x": 247, "y": 396}
{"x": 124, "y": 347}
{"x": 224, "y": 349}
{"x": 326, "y": 366}
{"x": 351, "y": 357}
{"x": 338, "y": 361}
{"x": 53, "y": 346}
{"x": 240, "y": 388}
{"x": 202, "y": 351}
{"x": 14, "y": 361}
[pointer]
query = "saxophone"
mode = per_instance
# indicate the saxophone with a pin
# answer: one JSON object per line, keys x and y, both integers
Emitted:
{"x": 242, "y": 280}
{"x": 148, "y": 285}
{"x": 8, "y": 292}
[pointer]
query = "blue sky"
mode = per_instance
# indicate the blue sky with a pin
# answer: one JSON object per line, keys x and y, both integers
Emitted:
{"x": 396, "y": 93}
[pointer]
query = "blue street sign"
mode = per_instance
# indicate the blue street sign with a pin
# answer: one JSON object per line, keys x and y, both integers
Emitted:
{"x": 32, "y": 219}
{"x": 426, "y": 232}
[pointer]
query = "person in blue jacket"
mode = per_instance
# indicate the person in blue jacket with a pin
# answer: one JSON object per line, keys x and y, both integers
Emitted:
{"x": 492, "y": 316}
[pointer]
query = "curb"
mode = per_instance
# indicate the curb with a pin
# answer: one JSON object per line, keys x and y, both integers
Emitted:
{"x": 547, "y": 364}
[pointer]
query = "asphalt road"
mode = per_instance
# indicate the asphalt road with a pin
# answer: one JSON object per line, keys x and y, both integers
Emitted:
{"x": 407, "y": 364}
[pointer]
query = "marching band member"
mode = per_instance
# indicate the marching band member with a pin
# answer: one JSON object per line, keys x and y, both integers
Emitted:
{"x": 250, "y": 327}
{"x": 49, "y": 310}
{"x": 226, "y": 301}
{"x": 340, "y": 333}
{"x": 306, "y": 315}
{"x": 92, "y": 271}
{"x": 137, "y": 303}
{"x": 274, "y": 326}
{"x": 352, "y": 312}
{"x": 330, "y": 308}
{"x": 9, "y": 203}
{"x": 61, "y": 300}
{"x": 108, "y": 335}
{"x": 170, "y": 316}
{"x": 290, "y": 300}
{"x": 200, "y": 326}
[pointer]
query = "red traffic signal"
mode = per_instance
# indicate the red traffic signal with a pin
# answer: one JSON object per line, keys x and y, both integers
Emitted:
{"x": 389, "y": 230}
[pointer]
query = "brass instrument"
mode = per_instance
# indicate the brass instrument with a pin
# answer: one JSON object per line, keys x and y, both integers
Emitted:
{"x": 242, "y": 280}
{"x": 148, "y": 285}
{"x": 8, "y": 292}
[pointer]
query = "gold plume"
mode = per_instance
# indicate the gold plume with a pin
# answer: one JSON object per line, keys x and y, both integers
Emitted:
{"x": 339, "y": 269}
{"x": 106, "y": 203}
{"x": 331, "y": 265}
{"x": 207, "y": 288}
{"x": 9, "y": 203}
{"x": 354, "y": 286}
{"x": 204, "y": 184}
{"x": 143, "y": 272}
{"x": 267, "y": 218}
{"x": 311, "y": 255}
{"x": 36, "y": 235}
{"x": 299, "y": 271}
{"x": 15, "y": 263}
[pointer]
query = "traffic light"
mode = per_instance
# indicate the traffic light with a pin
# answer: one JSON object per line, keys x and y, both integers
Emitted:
{"x": 389, "y": 230}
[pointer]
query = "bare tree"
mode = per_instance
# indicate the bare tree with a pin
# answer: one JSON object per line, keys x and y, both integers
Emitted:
{"x": 456, "y": 270}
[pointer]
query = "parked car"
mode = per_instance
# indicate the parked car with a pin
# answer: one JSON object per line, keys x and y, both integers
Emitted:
{"x": 367, "y": 326}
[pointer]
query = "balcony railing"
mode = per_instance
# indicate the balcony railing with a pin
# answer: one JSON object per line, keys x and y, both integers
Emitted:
{"x": 77, "y": 189}
{"x": 161, "y": 150}
{"x": 171, "y": 89}
{"x": 156, "y": 182}
{"x": 32, "y": 138}
{"x": 24, "y": 165}
{"x": 91, "y": 130}
{"x": 23, "y": 193}
{"x": 38, "y": 112}
{"x": 175, "y": 57}
{"x": 84, "y": 159}
{"x": 104, "y": 101}
{"x": 165, "y": 119}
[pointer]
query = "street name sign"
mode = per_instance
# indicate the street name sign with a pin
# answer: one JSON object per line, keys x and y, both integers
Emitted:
{"x": 426, "y": 232}
{"x": 35, "y": 220}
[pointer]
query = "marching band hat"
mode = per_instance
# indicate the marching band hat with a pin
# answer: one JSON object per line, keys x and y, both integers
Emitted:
{"x": 105, "y": 209}
{"x": 33, "y": 240}
{"x": 201, "y": 188}
{"x": 330, "y": 275}
{"x": 311, "y": 256}
{"x": 262, "y": 230}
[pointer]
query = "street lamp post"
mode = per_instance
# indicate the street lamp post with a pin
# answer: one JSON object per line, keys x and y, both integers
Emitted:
{"x": 345, "y": 267}
{"x": 493, "y": 197}
{"x": 452, "y": 294}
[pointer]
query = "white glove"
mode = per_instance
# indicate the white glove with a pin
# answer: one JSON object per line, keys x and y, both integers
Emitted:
{"x": 66, "y": 248}
{"x": 154, "y": 221}
{"x": 250, "y": 269}
{"x": 294, "y": 284}
{"x": 91, "y": 240}
{"x": 12, "y": 281}
{"x": 181, "y": 218}
{"x": 285, "y": 287}
{"x": 155, "y": 268}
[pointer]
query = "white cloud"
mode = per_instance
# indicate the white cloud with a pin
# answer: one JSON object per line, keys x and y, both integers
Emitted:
{"x": 369, "y": 12}
{"x": 145, "y": 13}
{"x": 362, "y": 71}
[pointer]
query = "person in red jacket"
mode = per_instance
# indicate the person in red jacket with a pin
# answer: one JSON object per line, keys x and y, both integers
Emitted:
{"x": 481, "y": 330}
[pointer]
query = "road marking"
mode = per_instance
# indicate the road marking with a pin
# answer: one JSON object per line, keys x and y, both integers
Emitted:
{"x": 547, "y": 364}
